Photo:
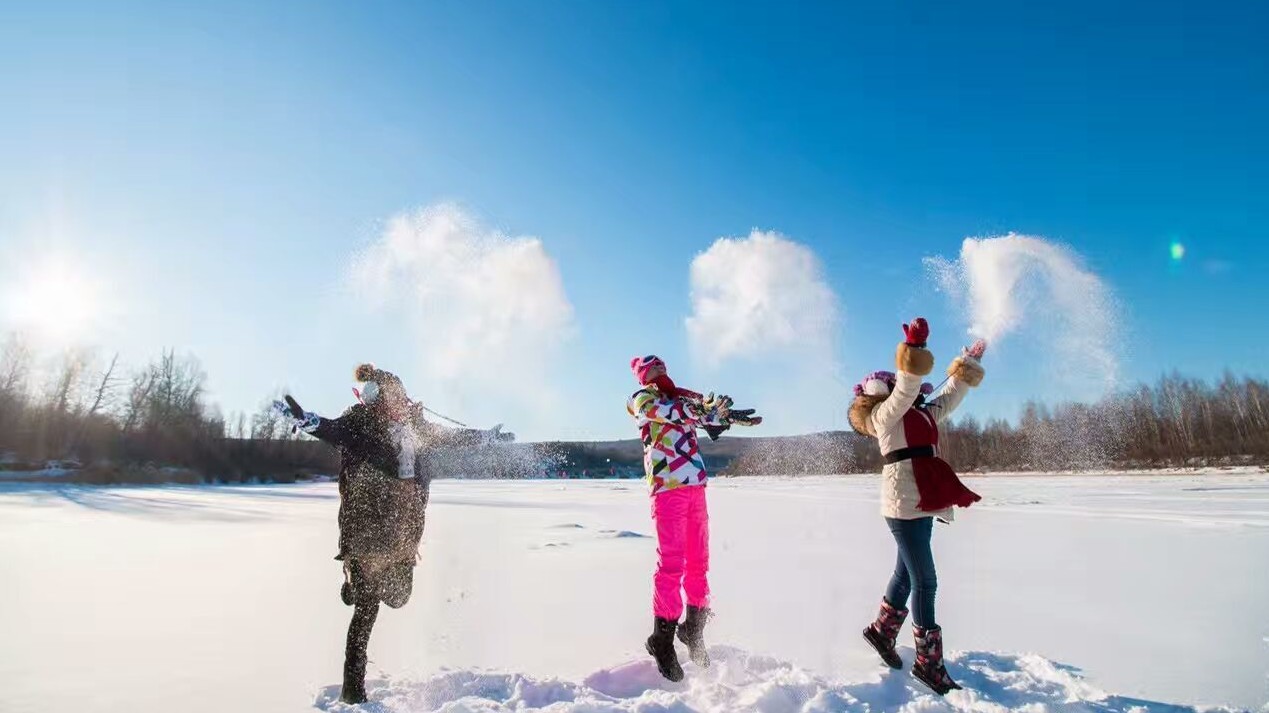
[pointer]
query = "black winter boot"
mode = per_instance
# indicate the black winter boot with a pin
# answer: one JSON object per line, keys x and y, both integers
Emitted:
{"x": 692, "y": 633}
{"x": 883, "y": 632}
{"x": 929, "y": 668}
{"x": 661, "y": 646}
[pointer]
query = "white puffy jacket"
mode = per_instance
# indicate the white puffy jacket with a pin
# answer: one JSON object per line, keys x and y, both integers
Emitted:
{"x": 899, "y": 496}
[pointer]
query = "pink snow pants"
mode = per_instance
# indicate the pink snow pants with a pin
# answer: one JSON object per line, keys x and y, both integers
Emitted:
{"x": 682, "y": 550}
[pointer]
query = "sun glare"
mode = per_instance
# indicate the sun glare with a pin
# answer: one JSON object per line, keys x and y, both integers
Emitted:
{"x": 54, "y": 298}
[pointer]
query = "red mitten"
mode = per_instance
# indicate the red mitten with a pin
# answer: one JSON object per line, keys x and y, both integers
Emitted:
{"x": 977, "y": 349}
{"x": 917, "y": 333}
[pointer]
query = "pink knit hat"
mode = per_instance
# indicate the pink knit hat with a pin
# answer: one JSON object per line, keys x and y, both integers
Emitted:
{"x": 641, "y": 365}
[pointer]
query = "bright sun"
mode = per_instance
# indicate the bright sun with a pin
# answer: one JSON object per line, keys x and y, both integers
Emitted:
{"x": 54, "y": 298}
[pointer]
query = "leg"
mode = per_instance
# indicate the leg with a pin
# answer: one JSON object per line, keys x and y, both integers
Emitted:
{"x": 913, "y": 539}
{"x": 671, "y": 509}
{"x": 398, "y": 583}
{"x": 355, "y": 656}
{"x": 696, "y": 579}
{"x": 882, "y": 633}
{"x": 696, "y": 575}
{"x": 900, "y": 585}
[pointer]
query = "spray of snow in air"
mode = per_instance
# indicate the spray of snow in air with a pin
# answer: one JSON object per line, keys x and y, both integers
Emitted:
{"x": 764, "y": 300}
{"x": 760, "y": 294}
{"x": 1019, "y": 285}
{"x": 488, "y": 311}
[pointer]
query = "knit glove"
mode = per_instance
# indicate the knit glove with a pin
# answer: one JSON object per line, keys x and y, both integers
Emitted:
{"x": 744, "y": 417}
{"x": 718, "y": 406}
{"x": 977, "y": 349}
{"x": 916, "y": 333}
{"x": 306, "y": 423}
{"x": 966, "y": 367}
{"x": 911, "y": 356}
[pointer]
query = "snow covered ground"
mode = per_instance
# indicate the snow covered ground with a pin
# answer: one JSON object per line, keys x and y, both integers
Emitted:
{"x": 1111, "y": 593}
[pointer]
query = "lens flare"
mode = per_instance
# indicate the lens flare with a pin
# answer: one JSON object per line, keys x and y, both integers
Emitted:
{"x": 1177, "y": 251}
{"x": 55, "y": 298}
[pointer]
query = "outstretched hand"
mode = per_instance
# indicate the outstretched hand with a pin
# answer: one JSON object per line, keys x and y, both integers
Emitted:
{"x": 719, "y": 405}
{"x": 496, "y": 435}
{"x": 745, "y": 417}
{"x": 917, "y": 332}
{"x": 977, "y": 349}
{"x": 307, "y": 422}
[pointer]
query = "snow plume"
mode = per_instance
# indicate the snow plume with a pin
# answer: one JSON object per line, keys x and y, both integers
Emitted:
{"x": 765, "y": 299}
{"x": 760, "y": 294}
{"x": 488, "y": 310}
{"x": 1017, "y": 283}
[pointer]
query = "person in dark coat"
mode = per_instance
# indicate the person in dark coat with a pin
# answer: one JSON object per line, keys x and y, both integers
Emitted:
{"x": 384, "y": 478}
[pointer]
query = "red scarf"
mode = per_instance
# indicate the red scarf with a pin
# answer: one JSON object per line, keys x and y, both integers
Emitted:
{"x": 936, "y": 482}
{"x": 667, "y": 388}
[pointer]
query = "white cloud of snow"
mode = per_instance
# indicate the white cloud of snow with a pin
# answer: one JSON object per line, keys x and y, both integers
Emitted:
{"x": 759, "y": 295}
{"x": 1020, "y": 284}
{"x": 764, "y": 328}
{"x": 488, "y": 310}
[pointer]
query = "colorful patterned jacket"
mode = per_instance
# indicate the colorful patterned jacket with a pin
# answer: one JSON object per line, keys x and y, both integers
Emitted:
{"x": 671, "y": 455}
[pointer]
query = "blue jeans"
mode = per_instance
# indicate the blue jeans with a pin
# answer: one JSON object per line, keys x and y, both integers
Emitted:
{"x": 914, "y": 569}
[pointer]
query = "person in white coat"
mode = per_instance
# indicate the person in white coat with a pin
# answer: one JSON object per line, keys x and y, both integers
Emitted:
{"x": 917, "y": 487}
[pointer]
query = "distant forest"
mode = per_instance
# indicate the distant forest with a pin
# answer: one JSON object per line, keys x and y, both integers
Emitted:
{"x": 111, "y": 424}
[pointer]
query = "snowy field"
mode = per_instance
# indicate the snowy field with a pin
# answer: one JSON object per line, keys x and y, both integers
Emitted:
{"x": 1066, "y": 593}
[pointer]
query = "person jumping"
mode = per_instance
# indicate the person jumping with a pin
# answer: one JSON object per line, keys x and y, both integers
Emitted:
{"x": 667, "y": 417}
{"x": 917, "y": 487}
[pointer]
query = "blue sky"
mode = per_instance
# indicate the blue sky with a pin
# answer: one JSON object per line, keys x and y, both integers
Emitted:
{"x": 215, "y": 170}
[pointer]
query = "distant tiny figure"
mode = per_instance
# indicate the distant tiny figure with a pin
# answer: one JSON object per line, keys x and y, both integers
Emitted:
{"x": 916, "y": 488}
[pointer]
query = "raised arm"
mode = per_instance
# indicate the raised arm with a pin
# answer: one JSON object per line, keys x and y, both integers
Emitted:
{"x": 912, "y": 362}
{"x": 335, "y": 431}
{"x": 435, "y": 435}
{"x": 964, "y": 373}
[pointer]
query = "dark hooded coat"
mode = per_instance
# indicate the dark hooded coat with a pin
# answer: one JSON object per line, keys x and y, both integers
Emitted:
{"x": 380, "y": 512}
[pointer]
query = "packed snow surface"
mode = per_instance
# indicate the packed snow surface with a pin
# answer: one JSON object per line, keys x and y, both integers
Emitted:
{"x": 1066, "y": 593}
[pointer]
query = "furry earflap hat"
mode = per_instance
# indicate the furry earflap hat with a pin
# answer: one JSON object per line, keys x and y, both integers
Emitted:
{"x": 377, "y": 382}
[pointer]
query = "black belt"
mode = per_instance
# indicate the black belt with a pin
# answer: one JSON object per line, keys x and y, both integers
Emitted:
{"x": 908, "y": 454}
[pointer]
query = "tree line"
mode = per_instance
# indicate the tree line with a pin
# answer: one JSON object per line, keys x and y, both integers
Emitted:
{"x": 154, "y": 424}
{"x": 149, "y": 424}
{"x": 1176, "y": 422}
{"x": 87, "y": 413}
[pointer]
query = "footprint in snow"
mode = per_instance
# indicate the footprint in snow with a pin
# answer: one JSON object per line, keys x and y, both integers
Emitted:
{"x": 623, "y": 533}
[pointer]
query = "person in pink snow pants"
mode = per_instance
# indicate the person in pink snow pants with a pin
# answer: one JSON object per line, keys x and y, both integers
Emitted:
{"x": 667, "y": 417}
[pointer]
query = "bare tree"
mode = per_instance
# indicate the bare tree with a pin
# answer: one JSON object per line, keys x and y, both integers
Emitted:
{"x": 66, "y": 381}
{"x": 104, "y": 395}
{"x": 134, "y": 412}
{"x": 15, "y": 364}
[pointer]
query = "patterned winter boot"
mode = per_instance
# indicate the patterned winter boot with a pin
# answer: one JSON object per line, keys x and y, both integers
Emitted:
{"x": 929, "y": 668}
{"x": 661, "y": 646}
{"x": 883, "y": 632}
{"x": 692, "y": 633}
